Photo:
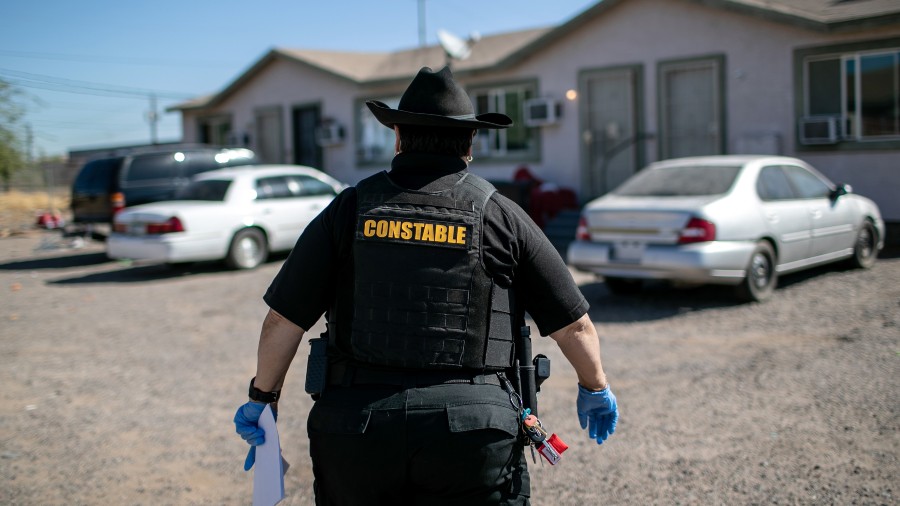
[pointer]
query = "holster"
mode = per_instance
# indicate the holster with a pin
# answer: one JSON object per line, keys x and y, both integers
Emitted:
{"x": 317, "y": 367}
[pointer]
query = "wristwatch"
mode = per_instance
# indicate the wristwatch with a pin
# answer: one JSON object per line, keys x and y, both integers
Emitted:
{"x": 260, "y": 396}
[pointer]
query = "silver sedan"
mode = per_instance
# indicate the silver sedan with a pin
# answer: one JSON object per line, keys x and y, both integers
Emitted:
{"x": 734, "y": 220}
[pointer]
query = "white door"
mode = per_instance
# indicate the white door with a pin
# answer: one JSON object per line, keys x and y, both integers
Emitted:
{"x": 610, "y": 130}
{"x": 690, "y": 108}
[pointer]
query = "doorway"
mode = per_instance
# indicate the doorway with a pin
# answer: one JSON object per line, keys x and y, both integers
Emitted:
{"x": 306, "y": 150}
{"x": 612, "y": 130}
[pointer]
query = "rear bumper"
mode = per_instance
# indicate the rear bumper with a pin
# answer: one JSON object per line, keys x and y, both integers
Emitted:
{"x": 170, "y": 248}
{"x": 717, "y": 262}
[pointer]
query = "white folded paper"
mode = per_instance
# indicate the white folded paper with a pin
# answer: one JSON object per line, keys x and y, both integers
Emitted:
{"x": 268, "y": 474}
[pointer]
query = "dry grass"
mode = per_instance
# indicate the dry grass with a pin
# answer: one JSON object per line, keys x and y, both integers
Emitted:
{"x": 19, "y": 210}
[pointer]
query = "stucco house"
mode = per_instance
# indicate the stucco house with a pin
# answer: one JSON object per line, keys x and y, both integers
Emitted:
{"x": 624, "y": 83}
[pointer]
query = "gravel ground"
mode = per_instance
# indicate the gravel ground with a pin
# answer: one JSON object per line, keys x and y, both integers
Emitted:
{"x": 120, "y": 382}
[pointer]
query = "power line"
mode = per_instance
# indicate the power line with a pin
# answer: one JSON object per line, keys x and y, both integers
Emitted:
{"x": 27, "y": 79}
{"x": 112, "y": 60}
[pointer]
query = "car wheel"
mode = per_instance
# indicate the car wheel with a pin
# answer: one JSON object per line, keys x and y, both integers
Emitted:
{"x": 248, "y": 249}
{"x": 623, "y": 286}
{"x": 761, "y": 278}
{"x": 864, "y": 250}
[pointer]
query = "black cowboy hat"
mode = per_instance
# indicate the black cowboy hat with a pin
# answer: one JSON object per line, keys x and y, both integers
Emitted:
{"x": 435, "y": 99}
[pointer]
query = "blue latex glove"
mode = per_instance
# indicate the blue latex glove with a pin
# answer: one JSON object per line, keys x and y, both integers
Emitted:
{"x": 597, "y": 412}
{"x": 246, "y": 422}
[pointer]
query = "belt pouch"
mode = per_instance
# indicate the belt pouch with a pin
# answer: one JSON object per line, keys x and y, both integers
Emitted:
{"x": 317, "y": 367}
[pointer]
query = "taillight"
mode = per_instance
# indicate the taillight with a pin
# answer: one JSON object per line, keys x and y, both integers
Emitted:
{"x": 117, "y": 200}
{"x": 582, "y": 233}
{"x": 173, "y": 224}
{"x": 697, "y": 230}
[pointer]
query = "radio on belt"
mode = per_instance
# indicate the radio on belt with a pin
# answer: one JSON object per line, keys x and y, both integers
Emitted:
{"x": 551, "y": 448}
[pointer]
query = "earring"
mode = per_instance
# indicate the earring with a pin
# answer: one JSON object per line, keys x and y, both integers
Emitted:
{"x": 469, "y": 158}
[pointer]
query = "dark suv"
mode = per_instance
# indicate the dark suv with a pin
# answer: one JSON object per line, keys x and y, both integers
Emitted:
{"x": 105, "y": 186}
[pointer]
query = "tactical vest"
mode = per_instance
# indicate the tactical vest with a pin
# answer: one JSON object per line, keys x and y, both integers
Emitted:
{"x": 421, "y": 296}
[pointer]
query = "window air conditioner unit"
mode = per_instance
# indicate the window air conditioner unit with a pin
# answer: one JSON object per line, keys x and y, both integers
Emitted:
{"x": 329, "y": 134}
{"x": 819, "y": 130}
{"x": 542, "y": 111}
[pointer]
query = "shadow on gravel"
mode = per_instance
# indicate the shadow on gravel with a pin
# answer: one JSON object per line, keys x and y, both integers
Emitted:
{"x": 155, "y": 272}
{"x": 62, "y": 262}
{"x": 658, "y": 300}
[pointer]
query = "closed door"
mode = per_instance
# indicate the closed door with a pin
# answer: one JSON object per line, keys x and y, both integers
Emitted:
{"x": 306, "y": 150}
{"x": 832, "y": 224}
{"x": 690, "y": 108}
{"x": 268, "y": 135}
{"x": 610, "y": 132}
{"x": 787, "y": 217}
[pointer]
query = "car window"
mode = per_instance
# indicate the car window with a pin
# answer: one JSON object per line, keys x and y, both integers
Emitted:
{"x": 200, "y": 161}
{"x": 155, "y": 166}
{"x": 97, "y": 175}
{"x": 275, "y": 187}
{"x": 682, "y": 181}
{"x": 806, "y": 184}
{"x": 308, "y": 186}
{"x": 208, "y": 189}
{"x": 773, "y": 184}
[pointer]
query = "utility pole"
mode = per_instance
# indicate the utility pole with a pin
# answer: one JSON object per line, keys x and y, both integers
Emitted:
{"x": 421, "y": 23}
{"x": 153, "y": 118}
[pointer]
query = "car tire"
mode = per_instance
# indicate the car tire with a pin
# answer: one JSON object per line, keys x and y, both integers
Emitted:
{"x": 248, "y": 249}
{"x": 623, "y": 286}
{"x": 865, "y": 249}
{"x": 761, "y": 279}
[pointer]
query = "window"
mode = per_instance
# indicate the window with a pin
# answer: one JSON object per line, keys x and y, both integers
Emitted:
{"x": 157, "y": 166}
{"x": 773, "y": 184}
{"x": 308, "y": 186}
{"x": 215, "y": 130}
{"x": 273, "y": 188}
{"x": 375, "y": 143}
{"x": 806, "y": 184}
{"x": 517, "y": 141}
{"x": 208, "y": 189}
{"x": 861, "y": 89}
{"x": 683, "y": 181}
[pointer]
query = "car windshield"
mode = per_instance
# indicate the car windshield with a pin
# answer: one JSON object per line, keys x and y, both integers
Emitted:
{"x": 680, "y": 181}
{"x": 207, "y": 189}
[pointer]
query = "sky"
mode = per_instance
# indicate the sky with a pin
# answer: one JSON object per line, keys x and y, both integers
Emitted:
{"x": 86, "y": 70}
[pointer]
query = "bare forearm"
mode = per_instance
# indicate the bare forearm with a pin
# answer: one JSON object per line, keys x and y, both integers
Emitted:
{"x": 580, "y": 344}
{"x": 278, "y": 343}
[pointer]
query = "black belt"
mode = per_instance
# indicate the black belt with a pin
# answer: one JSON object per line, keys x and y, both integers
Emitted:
{"x": 410, "y": 379}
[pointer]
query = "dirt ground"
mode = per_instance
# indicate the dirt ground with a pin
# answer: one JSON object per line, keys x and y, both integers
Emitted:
{"x": 120, "y": 382}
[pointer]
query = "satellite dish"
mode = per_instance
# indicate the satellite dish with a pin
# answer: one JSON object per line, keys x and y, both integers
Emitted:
{"x": 455, "y": 47}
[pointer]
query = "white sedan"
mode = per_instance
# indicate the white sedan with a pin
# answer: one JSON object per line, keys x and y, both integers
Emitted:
{"x": 238, "y": 214}
{"x": 734, "y": 220}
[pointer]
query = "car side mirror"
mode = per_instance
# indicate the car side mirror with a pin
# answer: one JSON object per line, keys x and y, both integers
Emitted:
{"x": 841, "y": 189}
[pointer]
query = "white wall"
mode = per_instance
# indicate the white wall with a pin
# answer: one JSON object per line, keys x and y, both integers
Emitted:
{"x": 759, "y": 88}
{"x": 759, "y": 84}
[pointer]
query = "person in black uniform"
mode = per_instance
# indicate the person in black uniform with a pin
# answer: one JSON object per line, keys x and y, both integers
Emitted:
{"x": 425, "y": 273}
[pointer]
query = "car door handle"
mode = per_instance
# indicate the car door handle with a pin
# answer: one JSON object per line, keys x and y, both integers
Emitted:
{"x": 772, "y": 217}
{"x": 816, "y": 214}
{"x": 267, "y": 211}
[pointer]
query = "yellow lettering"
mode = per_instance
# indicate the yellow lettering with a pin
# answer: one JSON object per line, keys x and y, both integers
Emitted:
{"x": 407, "y": 230}
{"x": 428, "y": 233}
{"x": 418, "y": 230}
{"x": 369, "y": 228}
{"x": 440, "y": 233}
{"x": 381, "y": 228}
{"x": 394, "y": 232}
{"x": 461, "y": 235}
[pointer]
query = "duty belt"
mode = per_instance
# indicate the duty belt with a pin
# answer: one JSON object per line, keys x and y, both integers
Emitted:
{"x": 352, "y": 375}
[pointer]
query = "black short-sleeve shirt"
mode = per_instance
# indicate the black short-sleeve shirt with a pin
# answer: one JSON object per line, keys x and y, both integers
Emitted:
{"x": 516, "y": 253}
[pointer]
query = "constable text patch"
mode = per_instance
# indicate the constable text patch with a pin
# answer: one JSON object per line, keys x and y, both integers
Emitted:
{"x": 421, "y": 232}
